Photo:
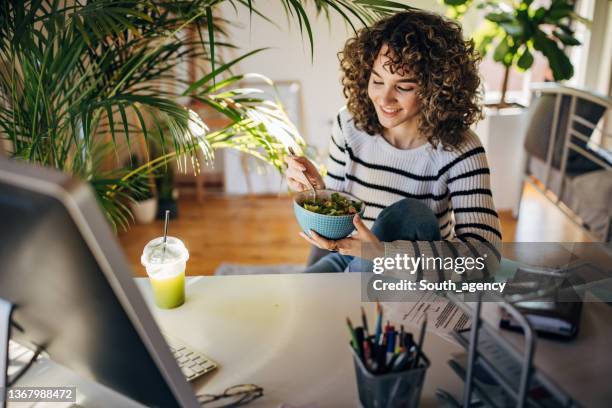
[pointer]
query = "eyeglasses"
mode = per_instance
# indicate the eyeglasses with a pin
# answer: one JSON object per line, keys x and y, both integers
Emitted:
{"x": 234, "y": 396}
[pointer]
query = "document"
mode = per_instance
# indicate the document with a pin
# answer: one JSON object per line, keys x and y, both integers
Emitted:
{"x": 443, "y": 316}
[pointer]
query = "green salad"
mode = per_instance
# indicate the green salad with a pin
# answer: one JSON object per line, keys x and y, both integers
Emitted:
{"x": 335, "y": 205}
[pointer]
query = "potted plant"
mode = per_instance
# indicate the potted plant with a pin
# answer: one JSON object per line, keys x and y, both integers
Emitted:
{"x": 143, "y": 203}
{"x": 75, "y": 76}
{"x": 514, "y": 31}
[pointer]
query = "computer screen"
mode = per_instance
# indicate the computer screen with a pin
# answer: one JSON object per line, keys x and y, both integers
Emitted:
{"x": 73, "y": 290}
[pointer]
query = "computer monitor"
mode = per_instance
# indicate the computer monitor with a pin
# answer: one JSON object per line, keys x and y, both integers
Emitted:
{"x": 73, "y": 289}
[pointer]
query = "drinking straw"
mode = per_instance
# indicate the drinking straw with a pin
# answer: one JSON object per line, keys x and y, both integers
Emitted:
{"x": 167, "y": 216}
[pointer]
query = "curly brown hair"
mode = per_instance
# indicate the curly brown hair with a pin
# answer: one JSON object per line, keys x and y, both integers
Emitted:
{"x": 432, "y": 50}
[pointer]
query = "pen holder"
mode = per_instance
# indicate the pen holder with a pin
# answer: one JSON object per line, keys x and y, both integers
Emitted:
{"x": 390, "y": 390}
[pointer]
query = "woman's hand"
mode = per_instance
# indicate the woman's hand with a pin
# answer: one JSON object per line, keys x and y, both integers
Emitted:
{"x": 298, "y": 168}
{"x": 353, "y": 245}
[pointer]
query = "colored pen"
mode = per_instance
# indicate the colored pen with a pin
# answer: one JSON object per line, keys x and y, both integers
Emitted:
{"x": 419, "y": 347}
{"x": 390, "y": 345}
{"x": 378, "y": 323}
{"x": 391, "y": 341}
{"x": 384, "y": 334}
{"x": 391, "y": 362}
{"x": 359, "y": 337}
{"x": 353, "y": 337}
{"x": 364, "y": 321}
{"x": 400, "y": 340}
{"x": 401, "y": 362}
{"x": 381, "y": 355}
{"x": 367, "y": 354}
{"x": 408, "y": 342}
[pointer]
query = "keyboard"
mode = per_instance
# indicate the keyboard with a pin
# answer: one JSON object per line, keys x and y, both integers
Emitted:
{"x": 192, "y": 363}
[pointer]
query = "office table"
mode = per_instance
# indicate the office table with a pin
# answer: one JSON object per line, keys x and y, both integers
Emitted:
{"x": 285, "y": 333}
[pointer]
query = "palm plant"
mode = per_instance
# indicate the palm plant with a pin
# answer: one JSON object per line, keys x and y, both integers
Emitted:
{"x": 81, "y": 80}
{"x": 516, "y": 29}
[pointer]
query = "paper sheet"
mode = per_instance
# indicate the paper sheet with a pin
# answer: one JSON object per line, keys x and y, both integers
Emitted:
{"x": 443, "y": 316}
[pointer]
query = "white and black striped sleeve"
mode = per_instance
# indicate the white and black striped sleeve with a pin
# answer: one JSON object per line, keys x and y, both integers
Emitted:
{"x": 477, "y": 228}
{"x": 336, "y": 161}
{"x": 470, "y": 193}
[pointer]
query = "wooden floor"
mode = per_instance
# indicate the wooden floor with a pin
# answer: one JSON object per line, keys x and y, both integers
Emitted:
{"x": 257, "y": 230}
{"x": 263, "y": 230}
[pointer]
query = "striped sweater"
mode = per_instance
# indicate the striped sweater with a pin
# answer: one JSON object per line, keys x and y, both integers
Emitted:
{"x": 454, "y": 184}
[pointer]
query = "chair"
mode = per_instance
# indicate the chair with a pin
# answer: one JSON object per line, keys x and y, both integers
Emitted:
{"x": 568, "y": 154}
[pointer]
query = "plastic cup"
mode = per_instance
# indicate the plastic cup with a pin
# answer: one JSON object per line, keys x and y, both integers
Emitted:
{"x": 166, "y": 270}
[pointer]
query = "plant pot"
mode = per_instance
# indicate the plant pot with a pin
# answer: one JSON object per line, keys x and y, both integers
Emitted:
{"x": 167, "y": 204}
{"x": 502, "y": 133}
{"x": 144, "y": 211}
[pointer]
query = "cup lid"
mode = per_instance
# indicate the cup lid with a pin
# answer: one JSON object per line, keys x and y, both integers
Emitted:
{"x": 155, "y": 254}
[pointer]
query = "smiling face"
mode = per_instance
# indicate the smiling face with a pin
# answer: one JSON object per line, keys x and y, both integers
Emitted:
{"x": 394, "y": 96}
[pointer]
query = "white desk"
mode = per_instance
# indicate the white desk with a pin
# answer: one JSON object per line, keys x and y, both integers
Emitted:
{"x": 286, "y": 333}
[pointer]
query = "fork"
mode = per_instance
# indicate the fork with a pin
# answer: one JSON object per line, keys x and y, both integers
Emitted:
{"x": 310, "y": 184}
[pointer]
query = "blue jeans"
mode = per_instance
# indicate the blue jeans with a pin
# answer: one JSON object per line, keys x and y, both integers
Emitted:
{"x": 407, "y": 220}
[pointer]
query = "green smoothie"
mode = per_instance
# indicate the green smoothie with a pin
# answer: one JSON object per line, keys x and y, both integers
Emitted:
{"x": 165, "y": 264}
{"x": 169, "y": 292}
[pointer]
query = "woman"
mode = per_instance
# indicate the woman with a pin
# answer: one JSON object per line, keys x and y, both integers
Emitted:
{"x": 403, "y": 145}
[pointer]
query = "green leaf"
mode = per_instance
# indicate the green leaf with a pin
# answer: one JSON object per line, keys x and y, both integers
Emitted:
{"x": 141, "y": 121}
{"x": 392, "y": 6}
{"x": 501, "y": 50}
{"x": 553, "y": 16}
{"x": 303, "y": 21}
{"x": 513, "y": 29}
{"x": 217, "y": 71}
{"x": 501, "y": 17}
{"x": 344, "y": 15}
{"x": 253, "y": 10}
{"x": 566, "y": 39}
{"x": 455, "y": 2}
{"x": 539, "y": 14}
{"x": 111, "y": 121}
{"x": 211, "y": 38}
{"x": 125, "y": 127}
{"x": 525, "y": 60}
{"x": 559, "y": 63}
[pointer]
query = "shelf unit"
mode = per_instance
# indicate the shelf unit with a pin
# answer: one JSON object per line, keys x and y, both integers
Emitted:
{"x": 496, "y": 373}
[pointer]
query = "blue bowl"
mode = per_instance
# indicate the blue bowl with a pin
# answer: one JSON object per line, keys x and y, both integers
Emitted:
{"x": 329, "y": 226}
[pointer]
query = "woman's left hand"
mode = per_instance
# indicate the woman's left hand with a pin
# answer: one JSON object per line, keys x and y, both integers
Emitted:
{"x": 352, "y": 245}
